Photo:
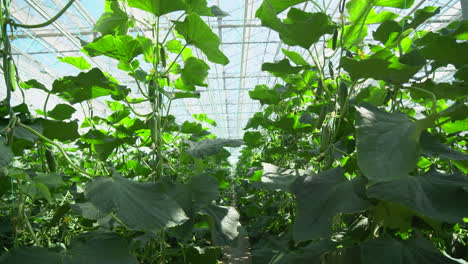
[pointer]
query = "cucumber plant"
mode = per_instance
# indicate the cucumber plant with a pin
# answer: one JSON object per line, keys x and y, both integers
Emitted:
{"x": 130, "y": 187}
{"x": 361, "y": 147}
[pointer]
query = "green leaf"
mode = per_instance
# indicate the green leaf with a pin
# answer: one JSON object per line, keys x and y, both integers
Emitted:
{"x": 454, "y": 53}
{"x": 88, "y": 85}
{"x": 363, "y": 11}
{"x": 105, "y": 149}
{"x": 387, "y": 143}
{"x": 43, "y": 192}
{"x": 158, "y": 7}
{"x": 59, "y": 130}
{"x": 319, "y": 198}
{"x": 31, "y": 255}
{"x": 431, "y": 194}
{"x": 210, "y": 147}
{"x": 392, "y": 215}
{"x": 113, "y": 21}
{"x": 141, "y": 206}
{"x": 402, "y": 4}
{"x": 253, "y": 139}
{"x": 78, "y": 62}
{"x": 416, "y": 250}
{"x": 450, "y": 91}
{"x": 204, "y": 189}
{"x": 205, "y": 255}
{"x": 90, "y": 248}
{"x": 431, "y": 146}
{"x": 295, "y": 57}
{"x": 88, "y": 210}
{"x": 123, "y": 48}
{"x": 373, "y": 95}
{"x": 281, "y": 68}
{"x": 217, "y": 12}
{"x": 300, "y": 29}
{"x": 197, "y": 32}
{"x": 382, "y": 65}
{"x": 224, "y": 224}
{"x": 423, "y": 14}
{"x": 311, "y": 254}
{"x": 265, "y": 95}
{"x": 5, "y": 154}
{"x": 280, "y": 5}
{"x": 34, "y": 84}
{"x": 195, "y": 72}
{"x": 62, "y": 112}
{"x": 204, "y": 118}
{"x": 354, "y": 35}
{"x": 276, "y": 178}
{"x": 51, "y": 180}
{"x": 388, "y": 31}
{"x": 457, "y": 29}
{"x": 99, "y": 247}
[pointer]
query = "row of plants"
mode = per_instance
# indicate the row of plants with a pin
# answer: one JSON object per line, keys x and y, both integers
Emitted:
{"x": 130, "y": 187}
{"x": 359, "y": 153}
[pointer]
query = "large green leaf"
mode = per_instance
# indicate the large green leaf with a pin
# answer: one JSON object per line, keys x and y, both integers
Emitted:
{"x": 79, "y": 62}
{"x": 387, "y": 143}
{"x": 31, "y": 255}
{"x": 204, "y": 189}
{"x": 300, "y": 28}
{"x": 195, "y": 72}
{"x": 450, "y": 91}
{"x": 253, "y": 139}
{"x": 265, "y": 95}
{"x": 281, "y": 68}
{"x": 197, "y": 32}
{"x": 58, "y": 130}
{"x": 99, "y": 248}
{"x": 5, "y": 154}
{"x": 280, "y": 5}
{"x": 224, "y": 224}
{"x": 123, "y": 48}
{"x": 319, "y": 198}
{"x": 209, "y": 147}
{"x": 382, "y": 65}
{"x": 277, "y": 178}
{"x": 363, "y": 11}
{"x": 431, "y": 146}
{"x": 457, "y": 29}
{"x": 423, "y": 14}
{"x": 388, "y": 30}
{"x": 88, "y": 85}
{"x": 416, "y": 250}
{"x": 158, "y": 7}
{"x": 62, "y": 112}
{"x": 311, "y": 254}
{"x": 432, "y": 194}
{"x": 141, "y": 206}
{"x": 295, "y": 57}
{"x": 89, "y": 248}
{"x": 443, "y": 49}
{"x": 113, "y": 21}
{"x": 205, "y": 255}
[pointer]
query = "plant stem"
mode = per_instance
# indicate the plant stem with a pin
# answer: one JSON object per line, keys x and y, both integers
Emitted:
{"x": 39, "y": 135}
{"x": 52, "y": 20}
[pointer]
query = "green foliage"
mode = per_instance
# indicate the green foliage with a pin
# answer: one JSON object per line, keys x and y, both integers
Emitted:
{"x": 79, "y": 62}
{"x": 140, "y": 206}
{"x": 86, "y": 86}
{"x": 61, "y": 112}
{"x": 196, "y": 32}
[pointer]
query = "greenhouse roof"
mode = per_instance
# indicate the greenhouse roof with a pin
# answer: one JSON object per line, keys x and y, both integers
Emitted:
{"x": 226, "y": 99}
